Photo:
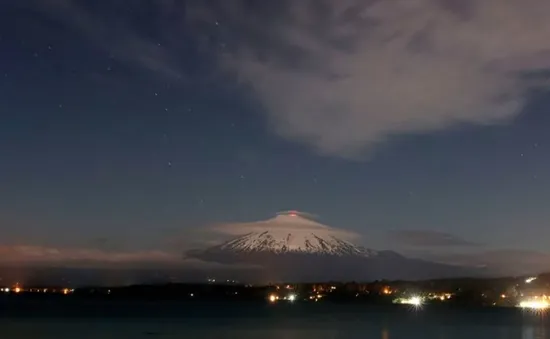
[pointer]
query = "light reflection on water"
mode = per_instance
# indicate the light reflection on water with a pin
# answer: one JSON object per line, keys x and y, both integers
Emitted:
{"x": 140, "y": 329}
{"x": 329, "y": 322}
{"x": 530, "y": 332}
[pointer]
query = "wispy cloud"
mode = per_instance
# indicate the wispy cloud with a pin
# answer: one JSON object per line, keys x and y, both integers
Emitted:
{"x": 341, "y": 76}
{"x": 428, "y": 238}
{"x": 283, "y": 225}
{"x": 32, "y": 255}
{"x": 114, "y": 35}
{"x": 500, "y": 262}
{"x": 43, "y": 254}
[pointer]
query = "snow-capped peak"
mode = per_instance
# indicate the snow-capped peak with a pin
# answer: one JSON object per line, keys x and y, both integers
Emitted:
{"x": 293, "y": 233}
{"x": 277, "y": 242}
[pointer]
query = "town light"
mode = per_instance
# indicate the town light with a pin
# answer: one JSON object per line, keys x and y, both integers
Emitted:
{"x": 534, "y": 304}
{"x": 530, "y": 280}
{"x": 416, "y": 301}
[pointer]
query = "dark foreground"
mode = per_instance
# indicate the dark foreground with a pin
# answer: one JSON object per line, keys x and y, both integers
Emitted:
{"x": 76, "y": 318}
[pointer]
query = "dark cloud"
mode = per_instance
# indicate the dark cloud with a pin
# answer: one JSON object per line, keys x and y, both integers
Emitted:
{"x": 426, "y": 238}
{"x": 500, "y": 262}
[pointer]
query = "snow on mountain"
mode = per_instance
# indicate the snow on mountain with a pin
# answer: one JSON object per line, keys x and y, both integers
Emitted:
{"x": 291, "y": 232}
{"x": 294, "y": 247}
{"x": 297, "y": 242}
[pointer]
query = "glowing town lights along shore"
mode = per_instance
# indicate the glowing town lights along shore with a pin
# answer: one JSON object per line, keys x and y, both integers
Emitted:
{"x": 415, "y": 301}
{"x": 534, "y": 304}
{"x": 273, "y": 298}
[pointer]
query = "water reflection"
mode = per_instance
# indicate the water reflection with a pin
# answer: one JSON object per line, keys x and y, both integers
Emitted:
{"x": 534, "y": 332}
{"x": 344, "y": 323}
{"x": 137, "y": 331}
{"x": 461, "y": 331}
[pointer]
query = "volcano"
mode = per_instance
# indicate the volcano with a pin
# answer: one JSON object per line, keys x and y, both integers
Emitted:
{"x": 292, "y": 233}
{"x": 294, "y": 247}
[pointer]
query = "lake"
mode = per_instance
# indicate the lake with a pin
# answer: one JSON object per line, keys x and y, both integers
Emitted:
{"x": 85, "y": 319}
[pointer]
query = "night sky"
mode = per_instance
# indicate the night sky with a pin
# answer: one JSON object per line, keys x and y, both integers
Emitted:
{"x": 130, "y": 127}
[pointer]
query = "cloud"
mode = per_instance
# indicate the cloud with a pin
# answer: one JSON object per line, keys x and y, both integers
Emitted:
{"x": 341, "y": 76}
{"x": 32, "y": 255}
{"x": 283, "y": 224}
{"x": 427, "y": 238}
{"x": 115, "y": 35}
{"x": 500, "y": 262}
{"x": 43, "y": 254}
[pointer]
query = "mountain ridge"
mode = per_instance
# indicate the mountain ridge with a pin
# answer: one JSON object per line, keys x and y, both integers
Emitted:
{"x": 292, "y": 248}
{"x": 288, "y": 242}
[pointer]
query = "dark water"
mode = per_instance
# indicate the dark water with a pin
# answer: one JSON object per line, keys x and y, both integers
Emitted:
{"x": 98, "y": 320}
